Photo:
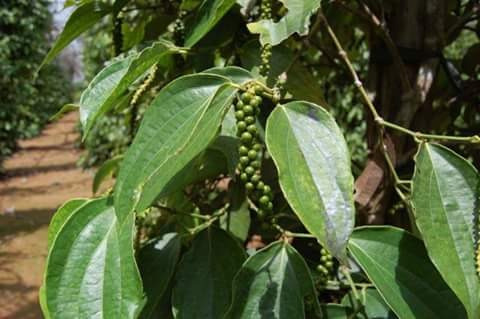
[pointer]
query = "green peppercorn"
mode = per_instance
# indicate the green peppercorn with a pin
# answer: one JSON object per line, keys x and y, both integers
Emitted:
{"x": 246, "y": 97}
{"x": 260, "y": 186}
{"x": 252, "y": 154}
{"x": 244, "y": 160}
{"x": 256, "y": 164}
{"x": 241, "y": 126}
{"x": 248, "y": 110}
{"x": 255, "y": 178}
{"x": 256, "y": 101}
{"x": 243, "y": 150}
{"x": 249, "y": 186}
{"x": 269, "y": 206}
{"x": 264, "y": 200}
{"x": 249, "y": 120}
{"x": 322, "y": 269}
{"x": 257, "y": 146}
{"x": 239, "y": 115}
{"x": 246, "y": 137}
{"x": 239, "y": 105}
{"x": 252, "y": 128}
{"x": 258, "y": 89}
{"x": 244, "y": 177}
{"x": 328, "y": 264}
{"x": 249, "y": 170}
{"x": 267, "y": 190}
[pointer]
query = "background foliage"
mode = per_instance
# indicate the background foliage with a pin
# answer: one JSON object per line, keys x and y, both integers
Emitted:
{"x": 27, "y": 101}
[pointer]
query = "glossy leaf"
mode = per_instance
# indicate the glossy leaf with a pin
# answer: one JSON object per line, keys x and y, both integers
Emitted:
{"x": 313, "y": 165}
{"x": 237, "y": 219}
{"x": 302, "y": 85}
{"x": 209, "y": 164}
{"x": 83, "y": 18}
{"x": 445, "y": 200}
{"x": 336, "y": 311}
{"x": 114, "y": 80}
{"x": 374, "y": 305}
{"x": 398, "y": 265}
{"x": 228, "y": 146}
{"x": 273, "y": 283}
{"x": 108, "y": 168}
{"x": 157, "y": 262}
{"x": 61, "y": 216}
{"x": 179, "y": 124}
{"x": 234, "y": 74}
{"x": 91, "y": 270}
{"x": 65, "y": 109}
{"x": 208, "y": 15}
{"x": 204, "y": 277}
{"x": 296, "y": 20}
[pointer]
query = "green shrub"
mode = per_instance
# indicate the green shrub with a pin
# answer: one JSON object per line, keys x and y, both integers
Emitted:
{"x": 27, "y": 101}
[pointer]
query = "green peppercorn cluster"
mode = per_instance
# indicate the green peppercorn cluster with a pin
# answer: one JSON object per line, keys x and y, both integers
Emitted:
{"x": 179, "y": 29}
{"x": 265, "y": 55}
{"x": 266, "y": 10}
{"x": 324, "y": 268}
{"x": 266, "y": 51}
{"x": 250, "y": 150}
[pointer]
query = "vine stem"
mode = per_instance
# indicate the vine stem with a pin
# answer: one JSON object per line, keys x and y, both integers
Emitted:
{"x": 358, "y": 306}
{"x": 289, "y": 234}
{"x": 418, "y": 137}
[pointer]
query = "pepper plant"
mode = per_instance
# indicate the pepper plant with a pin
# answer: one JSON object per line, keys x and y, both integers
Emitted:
{"x": 236, "y": 197}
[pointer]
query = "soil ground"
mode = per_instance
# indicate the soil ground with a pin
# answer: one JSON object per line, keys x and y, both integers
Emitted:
{"x": 39, "y": 178}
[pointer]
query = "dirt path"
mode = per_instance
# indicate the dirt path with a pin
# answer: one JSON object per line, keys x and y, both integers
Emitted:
{"x": 40, "y": 177}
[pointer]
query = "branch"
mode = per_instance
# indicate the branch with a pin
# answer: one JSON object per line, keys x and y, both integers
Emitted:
{"x": 383, "y": 32}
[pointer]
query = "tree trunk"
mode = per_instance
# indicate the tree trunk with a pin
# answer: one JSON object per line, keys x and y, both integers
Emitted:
{"x": 416, "y": 28}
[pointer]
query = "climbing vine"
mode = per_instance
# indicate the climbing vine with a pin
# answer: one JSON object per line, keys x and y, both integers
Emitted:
{"x": 237, "y": 196}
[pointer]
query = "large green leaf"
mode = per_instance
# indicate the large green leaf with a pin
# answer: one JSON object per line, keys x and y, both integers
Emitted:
{"x": 273, "y": 283}
{"x": 445, "y": 201}
{"x": 208, "y": 15}
{"x": 374, "y": 305}
{"x": 108, "y": 168}
{"x": 61, "y": 216}
{"x": 237, "y": 219}
{"x": 58, "y": 220}
{"x": 336, "y": 311}
{"x": 114, "y": 80}
{"x": 91, "y": 270}
{"x": 233, "y": 73}
{"x": 296, "y": 20}
{"x": 209, "y": 164}
{"x": 398, "y": 265}
{"x": 204, "y": 277}
{"x": 82, "y": 19}
{"x": 313, "y": 164}
{"x": 157, "y": 261}
{"x": 179, "y": 124}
